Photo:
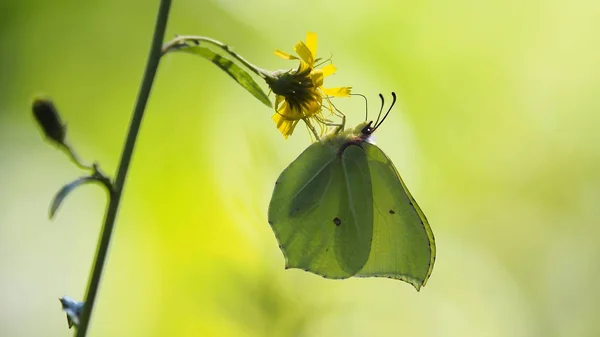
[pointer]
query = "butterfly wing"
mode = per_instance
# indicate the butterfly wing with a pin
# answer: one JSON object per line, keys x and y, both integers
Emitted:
{"x": 403, "y": 244}
{"x": 321, "y": 211}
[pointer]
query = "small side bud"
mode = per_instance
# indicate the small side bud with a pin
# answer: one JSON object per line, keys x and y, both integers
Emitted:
{"x": 47, "y": 117}
{"x": 73, "y": 309}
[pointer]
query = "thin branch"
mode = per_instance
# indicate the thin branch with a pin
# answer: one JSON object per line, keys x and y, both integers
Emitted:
{"x": 134, "y": 127}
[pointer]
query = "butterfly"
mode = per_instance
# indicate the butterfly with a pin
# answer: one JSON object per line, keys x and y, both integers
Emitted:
{"x": 341, "y": 209}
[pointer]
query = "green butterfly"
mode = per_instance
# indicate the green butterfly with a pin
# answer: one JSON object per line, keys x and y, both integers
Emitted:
{"x": 341, "y": 209}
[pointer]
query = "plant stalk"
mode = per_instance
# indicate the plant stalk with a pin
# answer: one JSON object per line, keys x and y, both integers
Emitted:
{"x": 180, "y": 41}
{"x": 115, "y": 197}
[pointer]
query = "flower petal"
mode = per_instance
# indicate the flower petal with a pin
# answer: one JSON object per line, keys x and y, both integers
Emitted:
{"x": 305, "y": 54}
{"x": 303, "y": 66}
{"x": 311, "y": 43}
{"x": 278, "y": 100}
{"x": 328, "y": 69}
{"x": 337, "y": 92}
{"x": 286, "y": 112}
{"x": 317, "y": 77}
{"x": 285, "y": 126}
{"x": 313, "y": 108}
{"x": 284, "y": 55}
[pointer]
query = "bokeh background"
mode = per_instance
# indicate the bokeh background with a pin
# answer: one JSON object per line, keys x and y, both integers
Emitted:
{"x": 496, "y": 135}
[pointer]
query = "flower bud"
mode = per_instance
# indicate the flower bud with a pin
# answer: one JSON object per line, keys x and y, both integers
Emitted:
{"x": 47, "y": 117}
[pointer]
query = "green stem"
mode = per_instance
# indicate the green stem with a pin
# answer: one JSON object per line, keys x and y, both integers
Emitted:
{"x": 115, "y": 198}
{"x": 182, "y": 40}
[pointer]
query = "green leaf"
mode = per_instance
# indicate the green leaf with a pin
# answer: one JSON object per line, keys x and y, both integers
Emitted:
{"x": 236, "y": 72}
{"x": 65, "y": 190}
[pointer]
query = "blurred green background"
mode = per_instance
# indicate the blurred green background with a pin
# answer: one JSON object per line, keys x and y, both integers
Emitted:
{"x": 496, "y": 135}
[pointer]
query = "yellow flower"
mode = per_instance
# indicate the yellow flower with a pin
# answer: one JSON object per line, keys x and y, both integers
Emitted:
{"x": 299, "y": 93}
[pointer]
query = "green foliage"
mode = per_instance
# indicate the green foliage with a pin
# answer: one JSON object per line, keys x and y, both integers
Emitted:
{"x": 65, "y": 190}
{"x": 236, "y": 72}
{"x": 497, "y": 139}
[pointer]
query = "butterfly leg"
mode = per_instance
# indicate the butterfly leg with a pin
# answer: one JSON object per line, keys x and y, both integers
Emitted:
{"x": 334, "y": 111}
{"x": 339, "y": 126}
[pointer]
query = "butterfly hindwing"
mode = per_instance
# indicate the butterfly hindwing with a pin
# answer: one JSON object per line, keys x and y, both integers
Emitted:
{"x": 403, "y": 243}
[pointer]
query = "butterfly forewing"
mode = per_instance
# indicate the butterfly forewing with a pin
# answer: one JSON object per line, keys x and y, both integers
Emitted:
{"x": 312, "y": 218}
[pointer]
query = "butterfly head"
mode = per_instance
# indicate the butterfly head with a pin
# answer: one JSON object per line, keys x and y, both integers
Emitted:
{"x": 368, "y": 128}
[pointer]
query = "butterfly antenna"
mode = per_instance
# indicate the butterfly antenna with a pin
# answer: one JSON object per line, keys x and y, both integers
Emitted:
{"x": 388, "y": 112}
{"x": 366, "y": 104}
{"x": 380, "y": 110}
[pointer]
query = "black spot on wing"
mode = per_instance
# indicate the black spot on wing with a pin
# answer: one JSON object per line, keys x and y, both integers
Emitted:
{"x": 337, "y": 221}
{"x": 392, "y": 211}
